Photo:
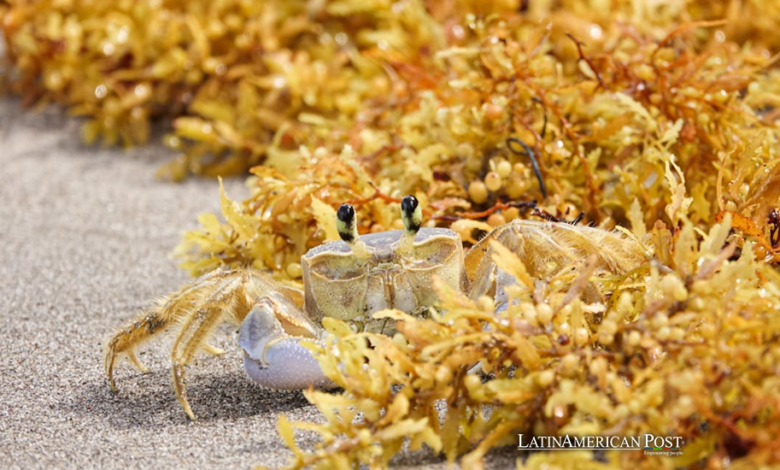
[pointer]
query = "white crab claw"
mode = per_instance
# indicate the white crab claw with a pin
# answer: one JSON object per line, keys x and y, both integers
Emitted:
{"x": 275, "y": 359}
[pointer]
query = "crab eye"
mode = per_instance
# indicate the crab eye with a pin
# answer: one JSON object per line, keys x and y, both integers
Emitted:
{"x": 345, "y": 223}
{"x": 411, "y": 214}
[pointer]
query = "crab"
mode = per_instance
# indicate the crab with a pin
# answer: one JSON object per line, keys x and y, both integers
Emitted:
{"x": 350, "y": 280}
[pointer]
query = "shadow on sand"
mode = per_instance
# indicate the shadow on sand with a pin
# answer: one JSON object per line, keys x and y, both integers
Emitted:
{"x": 149, "y": 399}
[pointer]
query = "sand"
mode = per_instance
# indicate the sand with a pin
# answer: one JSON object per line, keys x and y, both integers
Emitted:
{"x": 84, "y": 245}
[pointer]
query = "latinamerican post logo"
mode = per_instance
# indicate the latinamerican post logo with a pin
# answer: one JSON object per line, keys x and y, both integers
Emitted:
{"x": 649, "y": 443}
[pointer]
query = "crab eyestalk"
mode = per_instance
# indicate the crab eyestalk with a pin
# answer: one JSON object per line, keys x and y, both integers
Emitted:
{"x": 346, "y": 224}
{"x": 411, "y": 213}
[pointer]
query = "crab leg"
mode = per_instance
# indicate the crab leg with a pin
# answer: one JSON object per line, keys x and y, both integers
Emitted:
{"x": 544, "y": 248}
{"x": 153, "y": 322}
{"x": 271, "y": 336}
{"x": 194, "y": 332}
{"x": 220, "y": 304}
{"x": 216, "y": 298}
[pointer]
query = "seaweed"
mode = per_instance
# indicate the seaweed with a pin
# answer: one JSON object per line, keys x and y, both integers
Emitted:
{"x": 671, "y": 108}
{"x": 687, "y": 349}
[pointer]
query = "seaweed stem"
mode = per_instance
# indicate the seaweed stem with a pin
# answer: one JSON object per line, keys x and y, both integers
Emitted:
{"x": 528, "y": 151}
{"x": 579, "y": 45}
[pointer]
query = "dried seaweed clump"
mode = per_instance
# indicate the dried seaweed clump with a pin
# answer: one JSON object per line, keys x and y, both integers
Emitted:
{"x": 688, "y": 347}
{"x": 618, "y": 126}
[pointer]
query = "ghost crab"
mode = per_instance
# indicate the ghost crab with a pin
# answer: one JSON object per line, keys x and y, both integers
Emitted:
{"x": 350, "y": 280}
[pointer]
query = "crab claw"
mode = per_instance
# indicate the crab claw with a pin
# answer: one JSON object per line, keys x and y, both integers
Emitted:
{"x": 274, "y": 358}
